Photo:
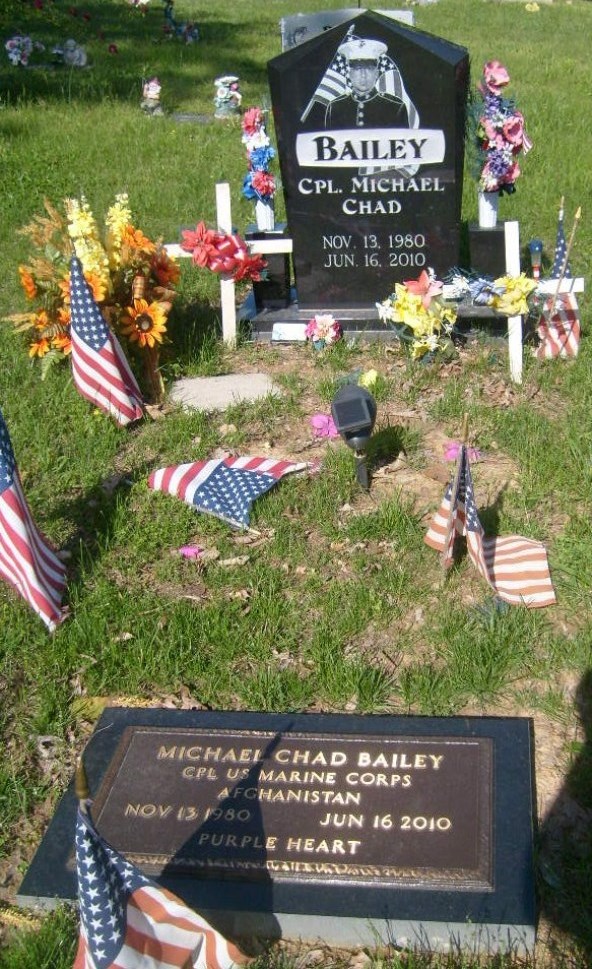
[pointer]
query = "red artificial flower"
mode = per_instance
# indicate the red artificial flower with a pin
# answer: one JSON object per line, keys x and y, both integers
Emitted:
{"x": 229, "y": 250}
{"x": 250, "y": 267}
{"x": 38, "y": 4}
{"x": 252, "y": 121}
{"x": 424, "y": 286}
{"x": 86, "y": 16}
{"x": 263, "y": 183}
{"x": 514, "y": 129}
{"x": 495, "y": 77}
{"x": 113, "y": 49}
{"x": 201, "y": 243}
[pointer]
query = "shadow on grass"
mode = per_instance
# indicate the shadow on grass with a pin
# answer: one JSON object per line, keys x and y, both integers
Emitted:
{"x": 565, "y": 842}
{"x": 194, "y": 346}
{"x": 384, "y": 447}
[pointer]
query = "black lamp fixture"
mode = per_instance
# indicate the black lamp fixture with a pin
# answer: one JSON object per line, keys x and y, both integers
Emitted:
{"x": 354, "y": 414}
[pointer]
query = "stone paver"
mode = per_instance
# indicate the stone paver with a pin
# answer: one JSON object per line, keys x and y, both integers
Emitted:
{"x": 218, "y": 393}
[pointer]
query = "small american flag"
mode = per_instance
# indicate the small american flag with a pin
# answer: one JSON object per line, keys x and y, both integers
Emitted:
{"x": 560, "y": 251}
{"x": 559, "y": 328}
{"x": 26, "y": 560}
{"x": 101, "y": 372}
{"x": 129, "y": 922}
{"x": 516, "y": 568}
{"x": 225, "y": 487}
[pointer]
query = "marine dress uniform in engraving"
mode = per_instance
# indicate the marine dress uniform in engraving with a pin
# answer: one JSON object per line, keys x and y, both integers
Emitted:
{"x": 362, "y": 87}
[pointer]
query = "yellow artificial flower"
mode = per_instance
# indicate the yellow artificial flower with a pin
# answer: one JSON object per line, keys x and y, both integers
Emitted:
{"x": 144, "y": 324}
{"x": 118, "y": 217}
{"x": 39, "y": 348}
{"x": 427, "y": 344}
{"x": 368, "y": 379}
{"x": 513, "y": 301}
{"x": 84, "y": 233}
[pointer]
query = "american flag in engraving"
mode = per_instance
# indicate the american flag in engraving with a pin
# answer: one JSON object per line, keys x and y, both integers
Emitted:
{"x": 335, "y": 83}
{"x": 225, "y": 487}
{"x": 128, "y": 922}
{"x": 559, "y": 328}
{"x": 390, "y": 82}
{"x": 26, "y": 560}
{"x": 100, "y": 369}
{"x": 516, "y": 568}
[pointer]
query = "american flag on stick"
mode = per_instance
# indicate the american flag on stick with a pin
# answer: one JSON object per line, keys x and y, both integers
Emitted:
{"x": 99, "y": 366}
{"x": 516, "y": 568}
{"x": 27, "y": 561}
{"x": 127, "y": 921}
{"x": 559, "y": 328}
{"x": 561, "y": 265}
{"x": 224, "y": 487}
{"x": 559, "y": 325}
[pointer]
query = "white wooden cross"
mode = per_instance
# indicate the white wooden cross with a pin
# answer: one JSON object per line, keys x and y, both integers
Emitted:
{"x": 284, "y": 245}
{"x": 227, "y": 286}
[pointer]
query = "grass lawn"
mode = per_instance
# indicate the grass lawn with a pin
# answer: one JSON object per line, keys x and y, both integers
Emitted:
{"x": 336, "y": 604}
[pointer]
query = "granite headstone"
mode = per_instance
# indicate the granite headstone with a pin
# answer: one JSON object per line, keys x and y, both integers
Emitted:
{"x": 355, "y": 830}
{"x": 370, "y": 124}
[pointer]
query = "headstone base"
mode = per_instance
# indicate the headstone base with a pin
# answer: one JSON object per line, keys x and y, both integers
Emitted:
{"x": 488, "y": 250}
{"x": 275, "y": 324}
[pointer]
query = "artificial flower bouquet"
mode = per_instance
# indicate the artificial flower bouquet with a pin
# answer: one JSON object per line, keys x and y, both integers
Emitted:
{"x": 259, "y": 183}
{"x": 21, "y": 49}
{"x": 223, "y": 253}
{"x": 499, "y": 132}
{"x": 323, "y": 330}
{"x": 507, "y": 295}
{"x": 132, "y": 279}
{"x": 419, "y": 315}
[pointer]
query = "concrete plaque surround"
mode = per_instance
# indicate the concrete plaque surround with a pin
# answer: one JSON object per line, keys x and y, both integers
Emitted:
{"x": 412, "y": 831}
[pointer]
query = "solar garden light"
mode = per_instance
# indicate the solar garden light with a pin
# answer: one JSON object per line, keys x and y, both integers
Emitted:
{"x": 536, "y": 255}
{"x": 354, "y": 414}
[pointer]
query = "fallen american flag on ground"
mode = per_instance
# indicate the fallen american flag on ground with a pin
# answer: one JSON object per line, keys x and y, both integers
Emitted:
{"x": 99, "y": 366}
{"x": 224, "y": 487}
{"x": 128, "y": 921}
{"x": 516, "y": 568}
{"x": 27, "y": 561}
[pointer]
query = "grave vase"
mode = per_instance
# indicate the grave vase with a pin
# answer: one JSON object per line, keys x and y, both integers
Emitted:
{"x": 265, "y": 215}
{"x": 488, "y": 206}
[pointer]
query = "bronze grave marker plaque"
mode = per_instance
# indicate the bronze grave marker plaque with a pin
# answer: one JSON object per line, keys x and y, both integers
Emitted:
{"x": 353, "y": 830}
{"x": 253, "y": 803}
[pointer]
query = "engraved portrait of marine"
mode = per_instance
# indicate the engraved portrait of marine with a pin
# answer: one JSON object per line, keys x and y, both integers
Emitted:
{"x": 361, "y": 88}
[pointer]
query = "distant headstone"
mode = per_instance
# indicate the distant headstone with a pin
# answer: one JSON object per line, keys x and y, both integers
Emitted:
{"x": 370, "y": 121}
{"x": 299, "y": 27}
{"x": 414, "y": 831}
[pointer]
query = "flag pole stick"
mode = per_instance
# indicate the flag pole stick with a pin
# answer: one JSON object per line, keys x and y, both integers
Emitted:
{"x": 81, "y": 788}
{"x": 450, "y": 524}
{"x": 464, "y": 437}
{"x": 566, "y": 259}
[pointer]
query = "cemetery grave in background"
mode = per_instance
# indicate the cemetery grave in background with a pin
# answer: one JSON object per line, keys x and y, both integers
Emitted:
{"x": 333, "y": 604}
